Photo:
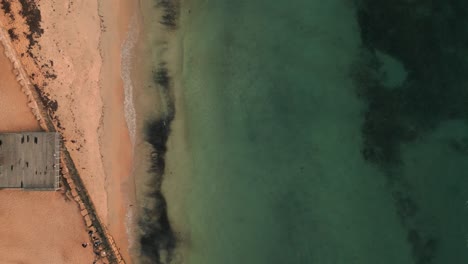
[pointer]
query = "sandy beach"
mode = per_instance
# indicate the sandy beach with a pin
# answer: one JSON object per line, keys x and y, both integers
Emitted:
{"x": 115, "y": 139}
{"x": 37, "y": 227}
{"x": 73, "y": 57}
{"x": 15, "y": 115}
{"x": 41, "y": 227}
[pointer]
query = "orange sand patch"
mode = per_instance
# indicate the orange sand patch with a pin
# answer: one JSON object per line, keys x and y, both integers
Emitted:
{"x": 15, "y": 114}
{"x": 41, "y": 227}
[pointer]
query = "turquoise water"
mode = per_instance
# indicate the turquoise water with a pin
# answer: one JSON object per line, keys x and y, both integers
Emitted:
{"x": 312, "y": 141}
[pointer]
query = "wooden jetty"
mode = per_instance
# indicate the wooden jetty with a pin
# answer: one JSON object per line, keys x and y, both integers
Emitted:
{"x": 30, "y": 160}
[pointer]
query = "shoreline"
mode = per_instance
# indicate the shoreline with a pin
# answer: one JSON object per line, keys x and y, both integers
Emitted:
{"x": 93, "y": 77}
{"x": 127, "y": 59}
{"x": 117, "y": 98}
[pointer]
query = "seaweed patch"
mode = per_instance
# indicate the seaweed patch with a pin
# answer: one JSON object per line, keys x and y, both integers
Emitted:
{"x": 32, "y": 14}
{"x": 158, "y": 240}
{"x": 170, "y": 12}
{"x": 49, "y": 104}
{"x": 6, "y": 7}
{"x": 161, "y": 77}
{"x": 12, "y": 34}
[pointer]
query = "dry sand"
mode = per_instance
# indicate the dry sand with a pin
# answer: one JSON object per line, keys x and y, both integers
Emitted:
{"x": 15, "y": 114}
{"x": 41, "y": 227}
{"x": 37, "y": 227}
{"x": 76, "y": 62}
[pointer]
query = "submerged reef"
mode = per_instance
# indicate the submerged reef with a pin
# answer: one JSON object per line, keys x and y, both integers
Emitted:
{"x": 429, "y": 38}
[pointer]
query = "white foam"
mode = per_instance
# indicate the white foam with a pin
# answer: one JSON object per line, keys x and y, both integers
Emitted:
{"x": 126, "y": 59}
{"x": 125, "y": 73}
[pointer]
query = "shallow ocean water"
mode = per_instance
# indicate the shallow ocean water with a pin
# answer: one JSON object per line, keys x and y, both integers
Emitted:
{"x": 324, "y": 132}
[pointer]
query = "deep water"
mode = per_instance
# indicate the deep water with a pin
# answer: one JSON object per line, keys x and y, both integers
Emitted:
{"x": 321, "y": 132}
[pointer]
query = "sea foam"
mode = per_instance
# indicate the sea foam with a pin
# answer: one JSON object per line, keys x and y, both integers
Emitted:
{"x": 126, "y": 62}
{"x": 129, "y": 107}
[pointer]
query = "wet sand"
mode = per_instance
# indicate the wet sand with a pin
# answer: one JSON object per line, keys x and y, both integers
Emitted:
{"x": 116, "y": 146}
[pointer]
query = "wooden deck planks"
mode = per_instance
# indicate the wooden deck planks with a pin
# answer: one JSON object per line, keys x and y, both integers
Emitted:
{"x": 27, "y": 160}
